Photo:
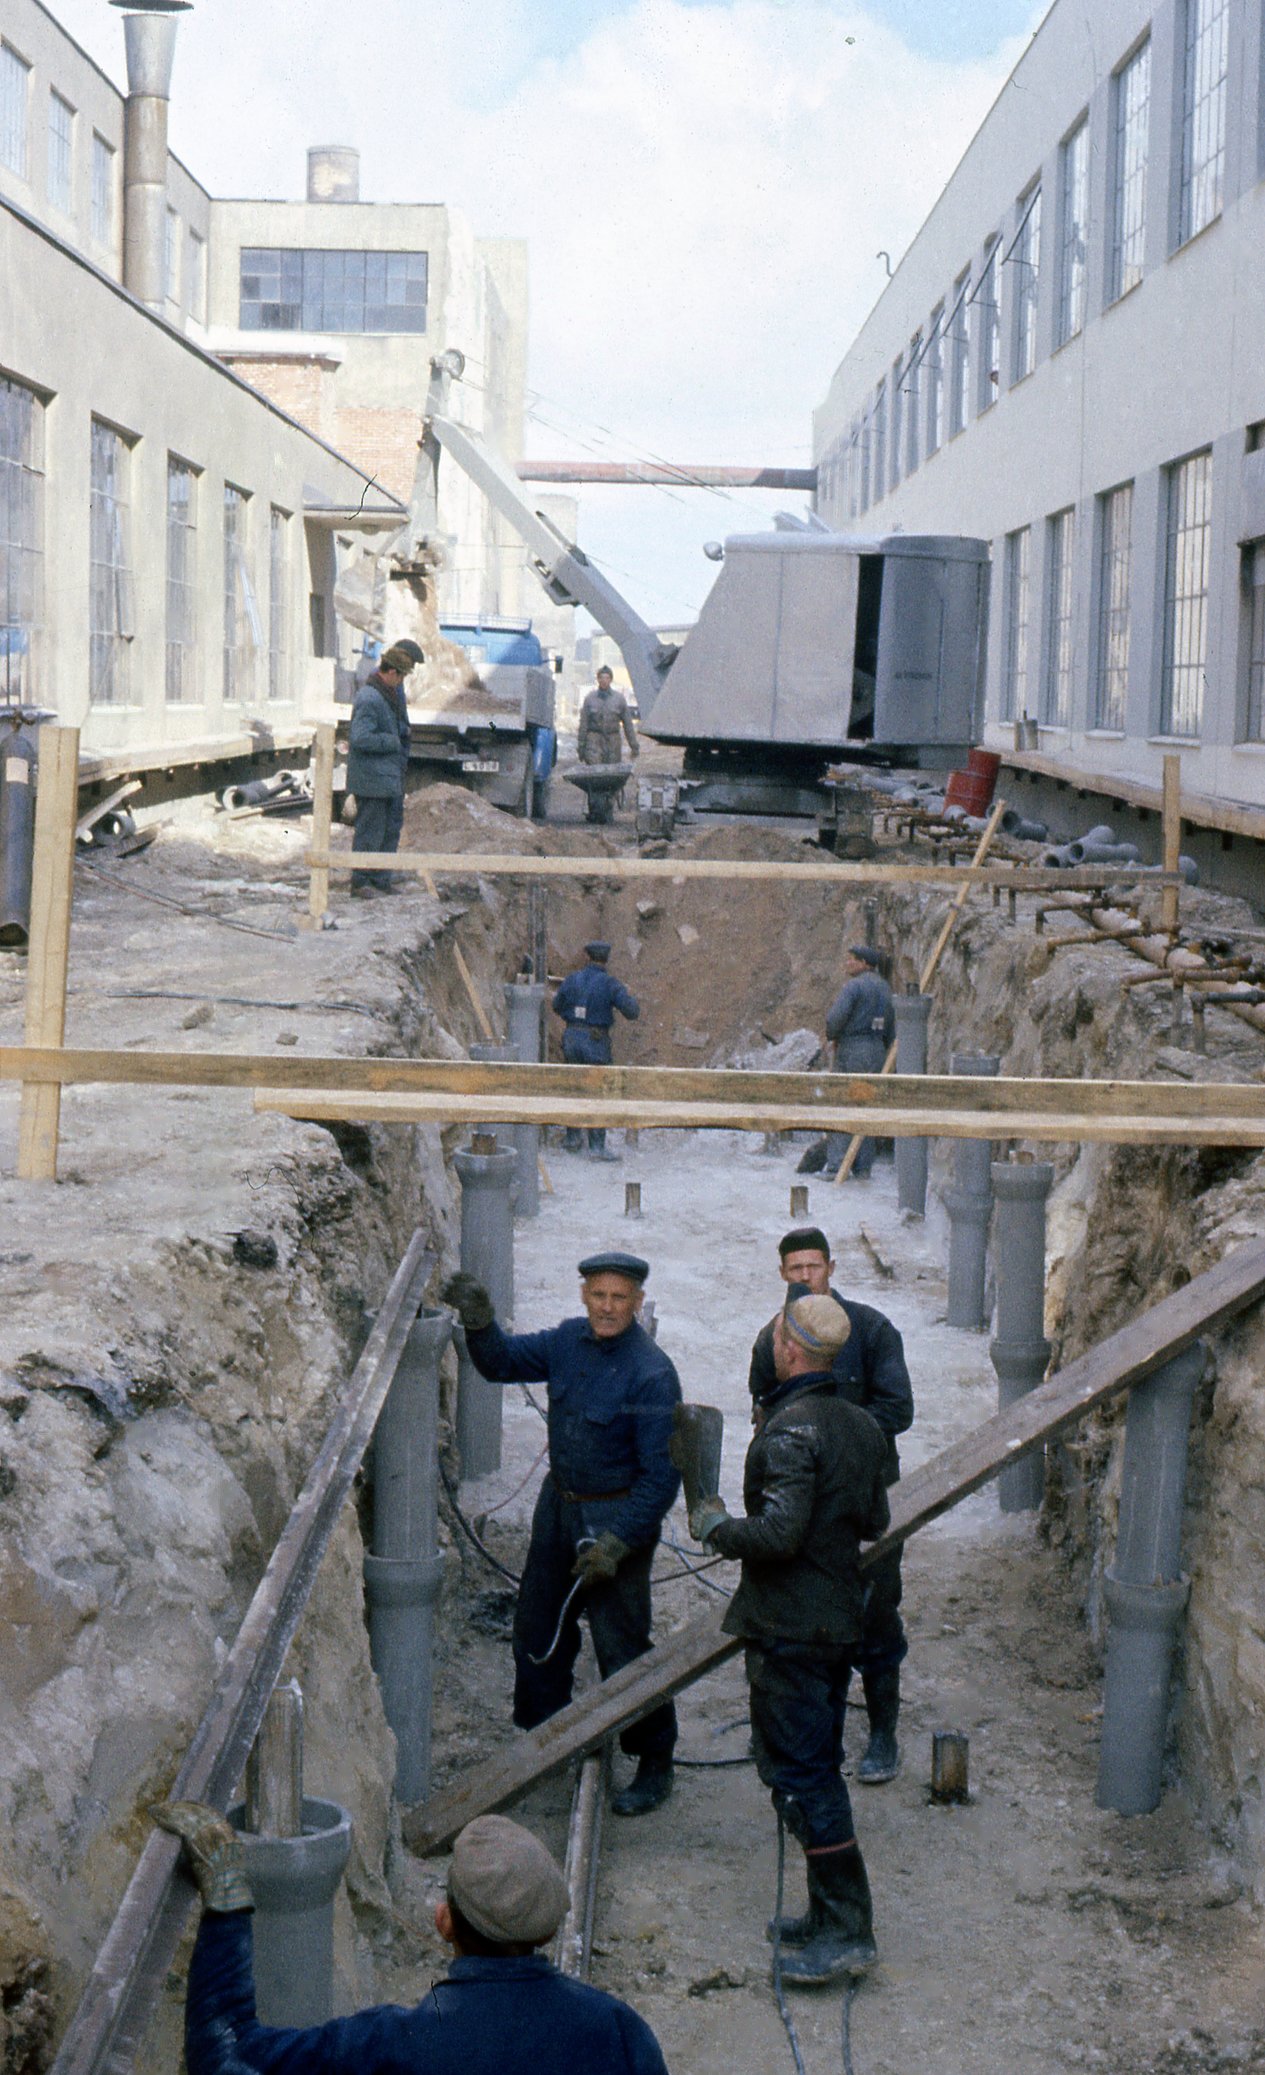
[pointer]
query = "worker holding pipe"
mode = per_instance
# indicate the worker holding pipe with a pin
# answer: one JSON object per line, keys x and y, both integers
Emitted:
{"x": 814, "y": 1489}
{"x": 502, "y": 2008}
{"x": 869, "y": 1370}
{"x": 612, "y": 1397}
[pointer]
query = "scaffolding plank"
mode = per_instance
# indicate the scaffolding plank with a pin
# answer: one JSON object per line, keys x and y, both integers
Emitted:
{"x": 1206, "y": 1303}
{"x": 450, "y": 864}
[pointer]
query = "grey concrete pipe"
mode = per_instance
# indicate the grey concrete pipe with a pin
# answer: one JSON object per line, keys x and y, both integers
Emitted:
{"x": 17, "y": 836}
{"x": 525, "y": 1138}
{"x": 525, "y": 1012}
{"x": 1024, "y": 831}
{"x": 913, "y": 1013}
{"x": 1020, "y": 1350}
{"x": 151, "y": 46}
{"x": 1087, "y": 853}
{"x": 969, "y": 1202}
{"x": 487, "y": 1251}
{"x": 1145, "y": 1591}
{"x": 294, "y": 1881}
{"x": 402, "y": 1575}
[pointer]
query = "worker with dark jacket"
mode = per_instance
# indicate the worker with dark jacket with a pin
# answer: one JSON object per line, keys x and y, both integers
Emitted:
{"x": 587, "y": 1001}
{"x": 869, "y": 1370}
{"x": 377, "y": 761}
{"x": 612, "y": 1393}
{"x": 861, "y": 1024}
{"x": 502, "y": 2008}
{"x": 813, "y": 1490}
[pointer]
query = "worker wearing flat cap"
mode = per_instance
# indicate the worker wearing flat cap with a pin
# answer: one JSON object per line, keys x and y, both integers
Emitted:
{"x": 502, "y": 2008}
{"x": 377, "y": 763}
{"x": 611, "y": 1480}
{"x": 587, "y": 1001}
{"x": 861, "y": 1024}
{"x": 814, "y": 1488}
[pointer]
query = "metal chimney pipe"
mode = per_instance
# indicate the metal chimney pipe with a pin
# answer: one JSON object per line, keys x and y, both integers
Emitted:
{"x": 150, "y": 38}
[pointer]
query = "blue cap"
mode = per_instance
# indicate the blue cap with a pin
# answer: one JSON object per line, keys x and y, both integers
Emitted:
{"x": 597, "y": 949}
{"x": 616, "y": 1264}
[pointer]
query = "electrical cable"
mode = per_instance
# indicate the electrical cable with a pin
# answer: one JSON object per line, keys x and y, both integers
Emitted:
{"x": 470, "y": 1533}
{"x": 778, "y": 1990}
{"x": 845, "y": 2023}
{"x": 501, "y": 1504}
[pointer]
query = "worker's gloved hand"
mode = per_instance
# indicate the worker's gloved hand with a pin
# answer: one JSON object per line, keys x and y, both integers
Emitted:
{"x": 706, "y": 1517}
{"x": 469, "y": 1300}
{"x": 597, "y": 1562}
{"x": 212, "y": 1853}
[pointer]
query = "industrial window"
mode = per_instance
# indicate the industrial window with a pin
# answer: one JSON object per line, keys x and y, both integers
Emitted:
{"x": 111, "y": 606}
{"x": 880, "y": 442}
{"x": 21, "y": 539}
{"x": 1056, "y": 687}
{"x": 865, "y": 463}
{"x": 898, "y": 423}
{"x": 197, "y": 278}
{"x": 61, "y": 153}
{"x": 1115, "y": 569}
{"x": 1025, "y": 258}
{"x": 913, "y": 371}
{"x": 934, "y": 365}
{"x": 15, "y": 80}
{"x": 182, "y": 581}
{"x": 1016, "y": 569}
{"x": 243, "y": 633}
{"x": 102, "y": 190}
{"x": 960, "y": 358}
{"x": 1073, "y": 248}
{"x": 333, "y": 291}
{"x": 989, "y": 330}
{"x": 278, "y": 602}
{"x": 171, "y": 257}
{"x": 1204, "y": 82}
{"x": 1131, "y": 116}
{"x": 1254, "y": 577}
{"x": 1186, "y": 596}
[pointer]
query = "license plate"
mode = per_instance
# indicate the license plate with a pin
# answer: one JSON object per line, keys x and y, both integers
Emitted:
{"x": 479, "y": 764}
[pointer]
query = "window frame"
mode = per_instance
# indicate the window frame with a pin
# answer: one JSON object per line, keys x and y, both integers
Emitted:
{"x": 1058, "y": 644}
{"x": 1025, "y": 254}
{"x": 318, "y": 288}
{"x": 1113, "y": 633}
{"x": 1252, "y": 575}
{"x": 1195, "y": 664}
{"x": 933, "y": 360}
{"x": 181, "y": 626}
{"x": 22, "y": 545}
{"x": 1130, "y": 174}
{"x": 112, "y": 578}
{"x": 1190, "y": 221}
{"x": 103, "y": 206}
{"x": 16, "y": 72}
{"x": 959, "y": 414}
{"x": 242, "y": 629}
{"x": 1016, "y": 622}
{"x": 61, "y": 162}
{"x": 1072, "y": 286}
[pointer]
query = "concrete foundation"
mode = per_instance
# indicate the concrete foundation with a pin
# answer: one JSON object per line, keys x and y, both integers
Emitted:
{"x": 969, "y": 1202}
{"x": 487, "y": 1251}
{"x": 913, "y": 1013}
{"x": 1020, "y": 1351}
{"x": 294, "y": 1881}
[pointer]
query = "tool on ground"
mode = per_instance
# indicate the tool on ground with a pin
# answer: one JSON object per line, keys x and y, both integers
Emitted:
{"x": 698, "y": 1433}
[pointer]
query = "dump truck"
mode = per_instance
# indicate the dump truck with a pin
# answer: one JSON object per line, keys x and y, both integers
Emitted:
{"x": 487, "y": 731}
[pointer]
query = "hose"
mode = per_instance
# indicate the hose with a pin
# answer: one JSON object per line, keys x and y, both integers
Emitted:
{"x": 778, "y": 1990}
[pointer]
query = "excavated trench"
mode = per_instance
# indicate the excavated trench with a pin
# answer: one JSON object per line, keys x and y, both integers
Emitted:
{"x": 163, "y": 1398}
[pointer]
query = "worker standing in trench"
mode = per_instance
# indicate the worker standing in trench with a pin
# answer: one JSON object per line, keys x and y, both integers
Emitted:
{"x": 814, "y": 1488}
{"x": 861, "y": 1025}
{"x": 612, "y": 1394}
{"x": 587, "y": 1001}
{"x": 870, "y": 1371}
{"x": 377, "y": 762}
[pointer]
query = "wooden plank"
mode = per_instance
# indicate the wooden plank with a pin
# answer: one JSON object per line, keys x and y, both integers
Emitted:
{"x": 1172, "y": 839}
{"x": 839, "y": 872}
{"x": 1054, "y": 1127}
{"x": 48, "y": 959}
{"x": 1208, "y": 1302}
{"x": 322, "y": 821}
{"x": 174, "y": 756}
{"x": 1232, "y": 817}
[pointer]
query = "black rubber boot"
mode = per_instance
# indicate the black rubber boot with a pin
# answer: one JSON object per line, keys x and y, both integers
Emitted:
{"x": 843, "y": 1942}
{"x": 796, "y": 1930}
{"x": 882, "y": 1701}
{"x": 648, "y": 1789}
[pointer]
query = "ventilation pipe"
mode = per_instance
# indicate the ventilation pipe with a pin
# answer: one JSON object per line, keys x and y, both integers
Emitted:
{"x": 150, "y": 37}
{"x": 333, "y": 173}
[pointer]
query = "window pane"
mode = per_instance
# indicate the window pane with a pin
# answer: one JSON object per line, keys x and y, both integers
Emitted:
{"x": 1115, "y": 569}
{"x": 1057, "y": 687}
{"x": 1205, "y": 76}
{"x": 934, "y": 366}
{"x": 1132, "y": 116}
{"x": 1186, "y": 596}
{"x": 110, "y": 608}
{"x": 278, "y": 597}
{"x": 989, "y": 330}
{"x": 61, "y": 137}
{"x": 102, "y": 190}
{"x": 1014, "y": 686}
{"x": 960, "y": 360}
{"x": 15, "y": 77}
{"x": 182, "y": 519}
{"x": 1025, "y": 258}
{"x": 1074, "y": 200}
{"x": 1254, "y": 572}
{"x": 21, "y": 541}
{"x": 914, "y": 364}
{"x": 316, "y": 290}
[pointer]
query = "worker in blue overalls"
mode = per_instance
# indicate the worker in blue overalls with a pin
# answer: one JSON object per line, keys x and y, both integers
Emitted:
{"x": 587, "y": 1001}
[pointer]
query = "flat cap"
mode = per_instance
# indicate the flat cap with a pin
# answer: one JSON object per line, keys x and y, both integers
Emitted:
{"x": 411, "y": 648}
{"x": 597, "y": 949}
{"x": 616, "y": 1264}
{"x": 396, "y": 659}
{"x": 504, "y": 1882}
{"x": 866, "y": 953}
{"x": 818, "y": 1325}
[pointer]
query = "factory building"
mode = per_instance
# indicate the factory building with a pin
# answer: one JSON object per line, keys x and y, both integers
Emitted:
{"x": 174, "y": 517}
{"x": 1067, "y": 363}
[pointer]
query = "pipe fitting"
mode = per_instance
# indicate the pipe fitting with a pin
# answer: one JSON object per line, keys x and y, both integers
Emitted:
{"x": 1144, "y": 1625}
{"x": 294, "y": 1881}
{"x": 969, "y": 1203}
{"x": 913, "y": 1014}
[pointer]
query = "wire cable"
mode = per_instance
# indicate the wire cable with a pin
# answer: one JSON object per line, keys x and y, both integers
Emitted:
{"x": 778, "y": 1990}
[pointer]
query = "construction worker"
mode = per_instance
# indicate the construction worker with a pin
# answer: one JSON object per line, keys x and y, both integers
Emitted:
{"x": 587, "y": 1001}
{"x": 813, "y": 1487}
{"x": 502, "y": 2008}
{"x": 861, "y": 1024}
{"x": 602, "y": 716}
{"x": 610, "y": 1483}
{"x": 377, "y": 762}
{"x": 870, "y": 1371}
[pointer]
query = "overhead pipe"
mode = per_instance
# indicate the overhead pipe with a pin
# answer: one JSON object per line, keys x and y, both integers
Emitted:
{"x": 150, "y": 40}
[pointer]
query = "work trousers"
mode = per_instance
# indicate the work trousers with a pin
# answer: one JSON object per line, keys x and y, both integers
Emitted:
{"x": 882, "y": 1646}
{"x": 618, "y": 1613}
{"x": 573, "y": 1139}
{"x": 377, "y": 827}
{"x": 798, "y": 1697}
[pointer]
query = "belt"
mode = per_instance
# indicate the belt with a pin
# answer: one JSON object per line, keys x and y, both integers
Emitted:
{"x": 589, "y": 1498}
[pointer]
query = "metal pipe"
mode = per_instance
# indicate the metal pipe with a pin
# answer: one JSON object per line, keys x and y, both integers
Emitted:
{"x": 574, "y": 1945}
{"x": 913, "y": 1013}
{"x": 404, "y": 1571}
{"x": 1020, "y": 1351}
{"x": 1145, "y": 1591}
{"x": 969, "y": 1202}
{"x": 151, "y": 47}
{"x": 525, "y": 1011}
{"x": 487, "y": 1251}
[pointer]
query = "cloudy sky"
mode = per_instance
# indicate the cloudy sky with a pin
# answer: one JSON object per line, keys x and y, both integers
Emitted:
{"x": 705, "y": 185}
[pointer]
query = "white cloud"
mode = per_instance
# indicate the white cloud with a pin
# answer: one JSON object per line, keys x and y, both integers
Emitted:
{"x": 704, "y": 189}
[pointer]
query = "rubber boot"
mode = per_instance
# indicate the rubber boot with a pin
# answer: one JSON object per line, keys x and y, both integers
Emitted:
{"x": 882, "y": 1700}
{"x": 843, "y": 1942}
{"x": 648, "y": 1789}
{"x": 796, "y": 1930}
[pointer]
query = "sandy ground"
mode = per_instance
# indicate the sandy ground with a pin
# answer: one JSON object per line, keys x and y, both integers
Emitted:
{"x": 1025, "y": 1933}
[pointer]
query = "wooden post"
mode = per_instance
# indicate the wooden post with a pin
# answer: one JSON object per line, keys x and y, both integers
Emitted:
{"x": 1172, "y": 840}
{"x": 56, "y": 806}
{"x": 322, "y": 818}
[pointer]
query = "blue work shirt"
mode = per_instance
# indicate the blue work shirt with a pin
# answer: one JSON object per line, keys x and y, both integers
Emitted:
{"x": 590, "y": 998}
{"x": 610, "y": 1414}
{"x": 490, "y": 2017}
{"x": 862, "y": 1023}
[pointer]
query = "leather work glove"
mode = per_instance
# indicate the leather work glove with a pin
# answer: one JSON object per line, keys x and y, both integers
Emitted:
{"x": 598, "y": 1561}
{"x": 212, "y": 1853}
{"x": 469, "y": 1300}
{"x": 707, "y": 1517}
